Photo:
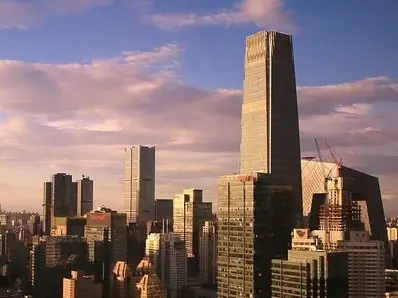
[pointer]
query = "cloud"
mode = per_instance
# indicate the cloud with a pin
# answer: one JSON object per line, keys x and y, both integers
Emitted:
{"x": 78, "y": 118}
{"x": 20, "y": 14}
{"x": 347, "y": 97}
{"x": 263, "y": 13}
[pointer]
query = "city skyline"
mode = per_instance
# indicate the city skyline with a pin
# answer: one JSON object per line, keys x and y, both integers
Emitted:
{"x": 183, "y": 94}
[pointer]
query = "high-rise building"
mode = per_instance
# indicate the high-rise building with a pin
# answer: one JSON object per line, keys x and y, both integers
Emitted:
{"x": 80, "y": 285}
{"x": 52, "y": 259}
{"x": 106, "y": 235}
{"x": 254, "y": 226}
{"x": 34, "y": 225}
{"x": 105, "y": 225}
{"x": 168, "y": 255}
{"x": 392, "y": 234}
{"x": 63, "y": 197}
{"x": 189, "y": 214}
{"x": 208, "y": 253}
{"x": 164, "y": 211}
{"x": 363, "y": 190}
{"x": 366, "y": 265}
{"x": 85, "y": 191}
{"x": 47, "y": 190}
{"x": 270, "y": 140}
{"x": 139, "y": 183}
{"x": 310, "y": 271}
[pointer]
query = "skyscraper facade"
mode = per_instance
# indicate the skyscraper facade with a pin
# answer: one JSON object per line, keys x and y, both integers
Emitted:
{"x": 85, "y": 190}
{"x": 253, "y": 227}
{"x": 63, "y": 196}
{"x": 139, "y": 183}
{"x": 189, "y": 214}
{"x": 270, "y": 140}
{"x": 208, "y": 253}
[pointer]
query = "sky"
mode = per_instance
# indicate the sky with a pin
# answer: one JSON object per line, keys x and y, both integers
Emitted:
{"x": 82, "y": 79}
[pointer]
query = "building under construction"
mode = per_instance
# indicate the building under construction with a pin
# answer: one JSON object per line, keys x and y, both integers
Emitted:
{"x": 336, "y": 222}
{"x": 335, "y": 184}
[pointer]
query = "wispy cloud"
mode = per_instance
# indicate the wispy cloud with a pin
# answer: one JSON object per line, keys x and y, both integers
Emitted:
{"x": 20, "y": 14}
{"x": 263, "y": 13}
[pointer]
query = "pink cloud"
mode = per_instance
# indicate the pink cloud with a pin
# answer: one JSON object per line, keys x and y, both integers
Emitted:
{"x": 263, "y": 13}
{"x": 78, "y": 118}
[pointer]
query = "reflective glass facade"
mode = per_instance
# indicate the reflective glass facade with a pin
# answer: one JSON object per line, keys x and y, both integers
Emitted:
{"x": 270, "y": 139}
{"x": 139, "y": 183}
{"x": 254, "y": 226}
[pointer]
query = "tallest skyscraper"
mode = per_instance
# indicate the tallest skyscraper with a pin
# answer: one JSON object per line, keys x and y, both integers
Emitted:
{"x": 258, "y": 208}
{"x": 270, "y": 140}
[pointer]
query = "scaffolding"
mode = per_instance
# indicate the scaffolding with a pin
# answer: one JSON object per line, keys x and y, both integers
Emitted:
{"x": 339, "y": 220}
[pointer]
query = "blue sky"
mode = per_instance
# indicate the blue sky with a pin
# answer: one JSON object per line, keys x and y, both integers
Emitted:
{"x": 60, "y": 111}
{"x": 335, "y": 41}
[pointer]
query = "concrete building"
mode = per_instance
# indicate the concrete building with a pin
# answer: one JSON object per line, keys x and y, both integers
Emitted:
{"x": 105, "y": 225}
{"x": 80, "y": 285}
{"x": 310, "y": 271}
{"x": 254, "y": 226}
{"x": 168, "y": 255}
{"x": 208, "y": 253}
{"x": 51, "y": 259}
{"x": 269, "y": 112}
{"x": 363, "y": 189}
{"x": 85, "y": 195}
{"x": 139, "y": 183}
{"x": 308, "y": 274}
{"x": 366, "y": 265}
{"x": 392, "y": 234}
{"x": 189, "y": 213}
{"x": 60, "y": 248}
{"x": 106, "y": 235}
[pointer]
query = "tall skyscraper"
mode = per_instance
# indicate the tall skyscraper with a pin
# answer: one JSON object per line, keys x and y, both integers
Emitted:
{"x": 139, "y": 183}
{"x": 84, "y": 195}
{"x": 63, "y": 197}
{"x": 253, "y": 227}
{"x": 270, "y": 140}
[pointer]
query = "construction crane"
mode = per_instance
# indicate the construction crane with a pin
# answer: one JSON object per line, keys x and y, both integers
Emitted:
{"x": 322, "y": 161}
{"x": 337, "y": 161}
